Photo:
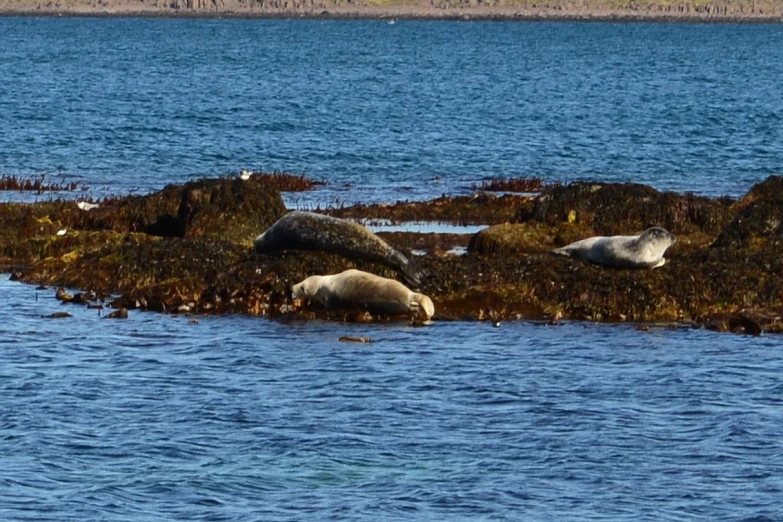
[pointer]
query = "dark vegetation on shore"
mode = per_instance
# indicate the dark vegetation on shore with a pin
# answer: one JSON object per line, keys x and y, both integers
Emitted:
{"x": 38, "y": 185}
{"x": 684, "y": 10}
{"x": 188, "y": 249}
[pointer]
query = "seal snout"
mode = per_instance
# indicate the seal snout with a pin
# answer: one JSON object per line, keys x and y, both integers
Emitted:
{"x": 658, "y": 235}
{"x": 422, "y": 305}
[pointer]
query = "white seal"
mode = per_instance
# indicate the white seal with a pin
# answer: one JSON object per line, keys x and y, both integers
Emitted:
{"x": 643, "y": 251}
{"x": 354, "y": 287}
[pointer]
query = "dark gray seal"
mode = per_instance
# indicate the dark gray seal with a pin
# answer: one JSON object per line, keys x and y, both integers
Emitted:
{"x": 299, "y": 230}
{"x": 643, "y": 251}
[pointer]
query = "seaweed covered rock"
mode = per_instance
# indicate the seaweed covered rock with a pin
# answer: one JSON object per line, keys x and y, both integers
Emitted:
{"x": 228, "y": 208}
{"x": 477, "y": 209}
{"x": 758, "y": 224}
{"x": 110, "y": 249}
{"x": 24, "y": 227}
{"x": 626, "y": 208}
{"x": 134, "y": 262}
{"x": 772, "y": 187}
{"x": 511, "y": 238}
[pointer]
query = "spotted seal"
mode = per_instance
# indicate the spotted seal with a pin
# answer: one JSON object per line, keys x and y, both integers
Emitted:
{"x": 300, "y": 230}
{"x": 354, "y": 287}
{"x": 643, "y": 251}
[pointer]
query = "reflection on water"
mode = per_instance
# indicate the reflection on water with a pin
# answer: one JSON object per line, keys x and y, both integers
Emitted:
{"x": 420, "y": 227}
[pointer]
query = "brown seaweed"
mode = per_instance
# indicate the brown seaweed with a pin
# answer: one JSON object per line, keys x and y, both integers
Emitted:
{"x": 724, "y": 273}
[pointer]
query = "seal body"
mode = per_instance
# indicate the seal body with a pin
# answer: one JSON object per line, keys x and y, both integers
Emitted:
{"x": 643, "y": 251}
{"x": 354, "y": 287}
{"x": 299, "y": 230}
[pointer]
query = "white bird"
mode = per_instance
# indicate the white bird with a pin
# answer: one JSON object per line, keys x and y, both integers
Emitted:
{"x": 62, "y": 232}
{"x": 245, "y": 174}
{"x": 85, "y": 205}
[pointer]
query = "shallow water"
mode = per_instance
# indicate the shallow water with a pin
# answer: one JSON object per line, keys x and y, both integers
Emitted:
{"x": 421, "y": 227}
{"x": 238, "y": 418}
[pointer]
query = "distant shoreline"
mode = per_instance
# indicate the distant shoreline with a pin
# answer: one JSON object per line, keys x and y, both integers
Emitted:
{"x": 770, "y": 13}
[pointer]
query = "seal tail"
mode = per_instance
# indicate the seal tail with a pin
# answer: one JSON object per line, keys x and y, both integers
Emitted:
{"x": 564, "y": 251}
{"x": 412, "y": 274}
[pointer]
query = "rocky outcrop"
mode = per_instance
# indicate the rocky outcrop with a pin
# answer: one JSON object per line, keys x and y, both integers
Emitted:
{"x": 511, "y": 238}
{"x": 626, "y": 208}
{"x": 226, "y": 208}
{"x": 736, "y": 284}
{"x": 758, "y": 223}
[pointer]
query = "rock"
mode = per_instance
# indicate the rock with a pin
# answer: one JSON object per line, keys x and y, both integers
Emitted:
{"x": 62, "y": 295}
{"x": 758, "y": 224}
{"x": 57, "y": 315}
{"x": 226, "y": 208}
{"x": 510, "y": 238}
{"x": 121, "y": 313}
{"x": 349, "y": 339}
{"x": 743, "y": 324}
{"x": 626, "y": 208}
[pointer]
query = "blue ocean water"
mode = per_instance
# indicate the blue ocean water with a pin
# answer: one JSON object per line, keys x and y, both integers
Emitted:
{"x": 234, "y": 418}
{"x": 238, "y": 418}
{"x": 133, "y": 104}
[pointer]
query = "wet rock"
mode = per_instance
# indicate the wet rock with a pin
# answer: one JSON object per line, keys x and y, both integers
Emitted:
{"x": 349, "y": 339}
{"x": 477, "y": 209}
{"x": 57, "y": 315}
{"x": 84, "y": 297}
{"x": 21, "y": 223}
{"x": 507, "y": 275}
{"x": 743, "y": 324}
{"x": 62, "y": 295}
{"x": 121, "y": 313}
{"x": 510, "y": 185}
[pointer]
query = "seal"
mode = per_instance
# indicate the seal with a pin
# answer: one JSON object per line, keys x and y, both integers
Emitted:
{"x": 354, "y": 287}
{"x": 643, "y": 251}
{"x": 300, "y": 230}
